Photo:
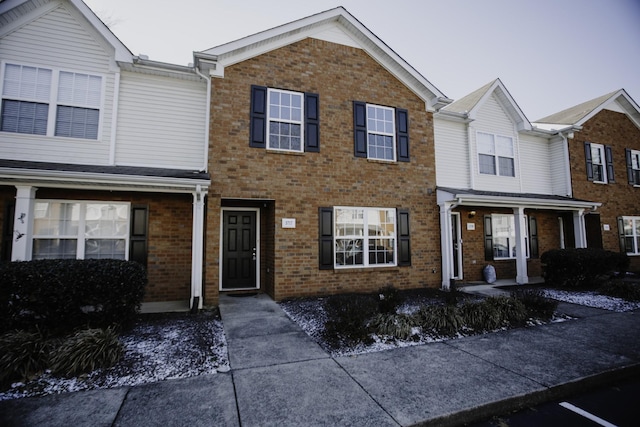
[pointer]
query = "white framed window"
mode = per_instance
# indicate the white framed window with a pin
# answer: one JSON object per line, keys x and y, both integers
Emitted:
{"x": 504, "y": 236}
{"x": 364, "y": 237}
{"x": 82, "y": 230}
{"x": 495, "y": 154}
{"x": 43, "y": 101}
{"x": 381, "y": 136}
{"x": 598, "y": 163}
{"x": 631, "y": 234}
{"x": 635, "y": 167}
{"x": 285, "y": 118}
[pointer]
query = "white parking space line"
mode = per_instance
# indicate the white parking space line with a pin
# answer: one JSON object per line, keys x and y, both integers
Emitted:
{"x": 586, "y": 414}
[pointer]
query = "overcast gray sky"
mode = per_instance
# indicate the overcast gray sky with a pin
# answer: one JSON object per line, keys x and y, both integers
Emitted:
{"x": 550, "y": 54}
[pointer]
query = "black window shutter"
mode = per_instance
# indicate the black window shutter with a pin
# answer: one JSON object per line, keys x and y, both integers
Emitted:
{"x": 533, "y": 237}
{"x": 587, "y": 155}
{"x": 359, "y": 129}
{"x": 609, "y": 158}
{"x": 402, "y": 134}
{"x": 312, "y": 122}
{"x": 630, "y": 174}
{"x": 258, "y": 131}
{"x": 138, "y": 234}
{"x": 488, "y": 238}
{"x": 404, "y": 238}
{"x": 325, "y": 216}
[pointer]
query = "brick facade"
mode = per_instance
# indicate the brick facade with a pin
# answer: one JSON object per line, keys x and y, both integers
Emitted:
{"x": 296, "y": 185}
{"x": 618, "y": 198}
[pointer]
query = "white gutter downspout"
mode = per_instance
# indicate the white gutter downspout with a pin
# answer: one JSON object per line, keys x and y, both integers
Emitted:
{"x": 208, "y": 119}
{"x": 197, "y": 249}
{"x": 114, "y": 118}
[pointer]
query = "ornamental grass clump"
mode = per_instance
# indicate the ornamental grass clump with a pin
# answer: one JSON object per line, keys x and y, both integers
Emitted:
{"x": 618, "y": 288}
{"x": 444, "y": 320}
{"x": 348, "y": 317}
{"x": 85, "y": 351}
{"x": 399, "y": 326}
{"x": 537, "y": 305}
{"x": 22, "y": 354}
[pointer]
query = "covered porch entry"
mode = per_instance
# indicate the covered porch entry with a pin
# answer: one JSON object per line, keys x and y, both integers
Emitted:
{"x": 508, "y": 231}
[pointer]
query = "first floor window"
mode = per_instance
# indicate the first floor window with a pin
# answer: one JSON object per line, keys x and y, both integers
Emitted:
{"x": 364, "y": 236}
{"x": 352, "y": 237}
{"x": 630, "y": 234}
{"x": 500, "y": 230}
{"x": 82, "y": 230}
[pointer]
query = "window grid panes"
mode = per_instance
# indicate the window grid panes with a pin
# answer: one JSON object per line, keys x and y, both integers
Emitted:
{"x": 364, "y": 237}
{"x": 504, "y": 236}
{"x": 64, "y": 229}
{"x": 597, "y": 162}
{"x": 631, "y": 234}
{"x": 285, "y": 113}
{"x": 635, "y": 166}
{"x": 30, "y": 101}
{"x": 380, "y": 132}
{"x": 496, "y": 154}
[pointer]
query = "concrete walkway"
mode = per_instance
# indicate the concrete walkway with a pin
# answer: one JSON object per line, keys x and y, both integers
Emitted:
{"x": 280, "y": 377}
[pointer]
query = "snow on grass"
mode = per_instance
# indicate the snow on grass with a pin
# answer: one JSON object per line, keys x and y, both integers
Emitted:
{"x": 592, "y": 299}
{"x": 158, "y": 348}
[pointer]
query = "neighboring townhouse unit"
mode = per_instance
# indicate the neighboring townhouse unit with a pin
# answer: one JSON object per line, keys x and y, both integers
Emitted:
{"x": 322, "y": 163}
{"x": 605, "y": 166}
{"x": 504, "y": 189}
{"x": 102, "y": 154}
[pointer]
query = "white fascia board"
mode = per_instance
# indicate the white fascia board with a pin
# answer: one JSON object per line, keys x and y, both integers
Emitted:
{"x": 275, "y": 38}
{"x": 83, "y": 179}
{"x": 510, "y": 202}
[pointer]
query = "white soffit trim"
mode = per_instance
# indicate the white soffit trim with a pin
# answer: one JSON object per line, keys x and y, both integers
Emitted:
{"x": 511, "y": 201}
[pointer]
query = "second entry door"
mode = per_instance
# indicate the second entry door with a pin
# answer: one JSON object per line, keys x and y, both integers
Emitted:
{"x": 239, "y": 253}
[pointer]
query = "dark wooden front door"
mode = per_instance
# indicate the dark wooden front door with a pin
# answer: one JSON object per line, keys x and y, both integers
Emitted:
{"x": 594, "y": 235}
{"x": 239, "y": 250}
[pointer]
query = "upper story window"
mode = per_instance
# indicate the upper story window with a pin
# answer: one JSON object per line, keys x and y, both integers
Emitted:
{"x": 42, "y": 101}
{"x": 495, "y": 154}
{"x": 381, "y": 133}
{"x": 82, "y": 230}
{"x": 284, "y": 120}
{"x": 633, "y": 166}
{"x": 630, "y": 234}
{"x": 599, "y": 162}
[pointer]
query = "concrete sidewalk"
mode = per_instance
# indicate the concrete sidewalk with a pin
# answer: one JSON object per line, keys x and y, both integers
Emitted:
{"x": 281, "y": 377}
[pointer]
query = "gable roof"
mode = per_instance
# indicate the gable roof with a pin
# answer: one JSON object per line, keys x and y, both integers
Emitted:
{"x": 577, "y": 115}
{"x": 15, "y": 13}
{"x": 336, "y": 25}
{"x": 469, "y": 105}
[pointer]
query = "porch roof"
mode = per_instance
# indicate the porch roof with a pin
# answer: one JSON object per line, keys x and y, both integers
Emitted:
{"x": 469, "y": 197}
{"x": 82, "y": 176}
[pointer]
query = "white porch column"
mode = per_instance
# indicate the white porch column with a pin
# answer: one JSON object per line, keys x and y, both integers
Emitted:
{"x": 521, "y": 246}
{"x": 197, "y": 245}
{"x": 23, "y": 223}
{"x": 579, "y": 229}
{"x": 446, "y": 244}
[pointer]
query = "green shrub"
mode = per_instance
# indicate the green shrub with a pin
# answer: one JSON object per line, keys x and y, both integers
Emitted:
{"x": 390, "y": 299}
{"x": 347, "y": 319}
{"x": 85, "y": 351}
{"x": 582, "y": 267}
{"x": 511, "y": 310}
{"x": 22, "y": 354}
{"x": 444, "y": 320}
{"x": 399, "y": 326}
{"x": 59, "y": 296}
{"x": 621, "y": 289}
{"x": 480, "y": 316}
{"x": 538, "y": 306}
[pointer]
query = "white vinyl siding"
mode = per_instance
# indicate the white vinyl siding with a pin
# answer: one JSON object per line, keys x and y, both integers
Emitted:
{"x": 452, "y": 154}
{"x": 61, "y": 40}
{"x": 492, "y": 119}
{"x": 559, "y": 165}
{"x": 161, "y": 122}
{"x": 535, "y": 170}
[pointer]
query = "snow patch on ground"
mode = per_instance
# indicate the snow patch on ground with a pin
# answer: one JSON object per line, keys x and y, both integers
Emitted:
{"x": 159, "y": 348}
{"x": 592, "y": 299}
